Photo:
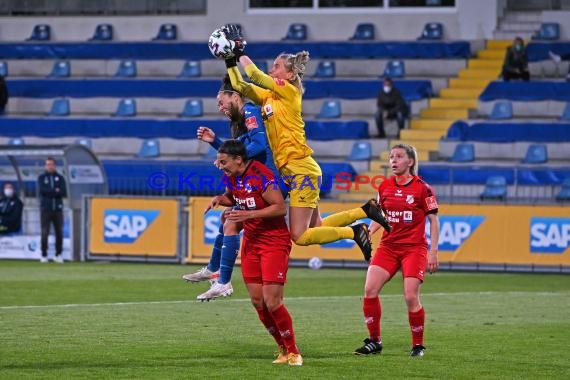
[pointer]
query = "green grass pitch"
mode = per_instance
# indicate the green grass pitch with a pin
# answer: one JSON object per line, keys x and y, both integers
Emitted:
{"x": 141, "y": 321}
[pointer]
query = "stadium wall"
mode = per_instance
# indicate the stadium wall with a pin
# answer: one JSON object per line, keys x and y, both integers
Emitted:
{"x": 470, "y": 20}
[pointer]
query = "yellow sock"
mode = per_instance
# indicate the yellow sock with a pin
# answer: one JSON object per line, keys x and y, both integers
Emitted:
{"x": 322, "y": 235}
{"x": 344, "y": 218}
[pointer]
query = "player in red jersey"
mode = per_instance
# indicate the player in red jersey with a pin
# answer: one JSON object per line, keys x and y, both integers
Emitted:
{"x": 407, "y": 201}
{"x": 266, "y": 241}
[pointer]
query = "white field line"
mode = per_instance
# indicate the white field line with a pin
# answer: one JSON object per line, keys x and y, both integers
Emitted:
{"x": 287, "y": 299}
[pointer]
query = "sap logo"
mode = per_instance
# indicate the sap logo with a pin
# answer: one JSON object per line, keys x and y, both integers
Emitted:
{"x": 212, "y": 221}
{"x": 549, "y": 235}
{"x": 126, "y": 226}
{"x": 344, "y": 243}
{"x": 454, "y": 230}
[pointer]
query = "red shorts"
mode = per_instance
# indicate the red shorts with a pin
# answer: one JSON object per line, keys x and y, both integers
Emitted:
{"x": 412, "y": 260}
{"x": 262, "y": 263}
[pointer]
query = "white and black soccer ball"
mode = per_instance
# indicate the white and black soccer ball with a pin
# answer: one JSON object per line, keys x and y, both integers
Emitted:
{"x": 220, "y": 46}
{"x": 315, "y": 263}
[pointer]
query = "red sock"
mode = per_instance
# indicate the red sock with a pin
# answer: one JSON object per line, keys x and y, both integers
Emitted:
{"x": 267, "y": 320}
{"x": 372, "y": 313}
{"x": 417, "y": 326}
{"x": 284, "y": 322}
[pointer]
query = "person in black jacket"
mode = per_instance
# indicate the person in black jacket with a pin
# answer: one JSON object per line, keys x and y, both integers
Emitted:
{"x": 11, "y": 208}
{"x": 52, "y": 190}
{"x": 391, "y": 105}
{"x": 515, "y": 65}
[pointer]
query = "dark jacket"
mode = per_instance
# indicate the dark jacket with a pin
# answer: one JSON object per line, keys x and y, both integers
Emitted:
{"x": 10, "y": 214}
{"x": 50, "y": 199}
{"x": 392, "y": 102}
{"x": 515, "y": 60}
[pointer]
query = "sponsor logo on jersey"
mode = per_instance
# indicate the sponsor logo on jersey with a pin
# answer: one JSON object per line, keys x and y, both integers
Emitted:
{"x": 549, "y": 235}
{"x": 431, "y": 203}
{"x": 251, "y": 123}
{"x": 454, "y": 230}
{"x": 267, "y": 110}
{"x": 126, "y": 226}
{"x": 408, "y": 217}
{"x": 399, "y": 193}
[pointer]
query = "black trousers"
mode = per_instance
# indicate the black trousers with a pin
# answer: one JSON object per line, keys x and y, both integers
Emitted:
{"x": 508, "y": 75}
{"x": 48, "y": 218}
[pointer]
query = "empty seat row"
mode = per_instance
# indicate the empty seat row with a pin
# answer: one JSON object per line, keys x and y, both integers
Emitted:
{"x": 503, "y": 110}
{"x": 496, "y": 189}
{"x": 535, "y": 154}
{"x": 104, "y": 32}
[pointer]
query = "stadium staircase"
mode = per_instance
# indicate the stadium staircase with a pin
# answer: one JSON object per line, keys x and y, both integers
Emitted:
{"x": 457, "y": 101}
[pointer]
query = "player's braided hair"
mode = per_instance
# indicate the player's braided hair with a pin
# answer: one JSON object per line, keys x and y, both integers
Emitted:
{"x": 297, "y": 63}
{"x": 412, "y": 153}
{"x": 237, "y": 123}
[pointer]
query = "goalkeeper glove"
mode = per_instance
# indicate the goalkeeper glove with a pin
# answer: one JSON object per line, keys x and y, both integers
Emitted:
{"x": 233, "y": 33}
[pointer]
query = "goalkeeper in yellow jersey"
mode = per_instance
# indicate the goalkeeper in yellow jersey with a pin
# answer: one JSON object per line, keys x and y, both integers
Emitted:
{"x": 280, "y": 96}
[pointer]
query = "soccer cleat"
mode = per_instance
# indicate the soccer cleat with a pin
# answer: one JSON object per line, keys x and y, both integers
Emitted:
{"x": 43, "y": 260}
{"x": 418, "y": 351}
{"x": 204, "y": 274}
{"x": 294, "y": 359}
{"x": 58, "y": 259}
{"x": 374, "y": 212}
{"x": 362, "y": 238}
{"x": 370, "y": 347}
{"x": 217, "y": 290}
{"x": 281, "y": 356}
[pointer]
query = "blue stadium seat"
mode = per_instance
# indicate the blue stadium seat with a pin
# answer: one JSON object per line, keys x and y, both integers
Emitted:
{"x": 41, "y": 32}
{"x": 103, "y": 32}
{"x": 3, "y": 69}
{"x": 296, "y": 32}
{"x": 191, "y": 69}
{"x": 61, "y": 69}
{"x": 464, "y": 152}
{"x": 536, "y": 154}
{"x": 149, "y": 149}
{"x": 59, "y": 107}
{"x": 126, "y": 108}
{"x": 566, "y": 113}
{"x": 564, "y": 193}
{"x": 84, "y": 141}
{"x": 127, "y": 69}
{"x": 325, "y": 69}
{"x": 193, "y": 108}
{"x": 502, "y": 110}
{"x": 364, "y": 31}
{"x": 167, "y": 32}
{"x": 262, "y": 65}
{"x": 394, "y": 69}
{"x": 495, "y": 188}
{"x": 16, "y": 141}
{"x": 549, "y": 31}
{"x": 330, "y": 109}
{"x": 361, "y": 151}
{"x": 432, "y": 31}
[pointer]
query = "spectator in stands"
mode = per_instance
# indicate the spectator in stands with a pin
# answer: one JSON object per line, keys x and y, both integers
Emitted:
{"x": 11, "y": 208}
{"x": 52, "y": 190}
{"x": 391, "y": 105}
{"x": 515, "y": 65}
{"x": 3, "y": 95}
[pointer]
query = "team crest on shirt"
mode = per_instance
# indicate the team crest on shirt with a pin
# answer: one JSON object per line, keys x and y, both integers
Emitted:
{"x": 410, "y": 199}
{"x": 251, "y": 123}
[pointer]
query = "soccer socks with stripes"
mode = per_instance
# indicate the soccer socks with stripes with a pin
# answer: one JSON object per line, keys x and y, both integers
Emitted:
{"x": 417, "y": 320}
{"x": 230, "y": 250}
{"x": 267, "y": 320}
{"x": 372, "y": 313}
{"x": 214, "y": 263}
{"x": 344, "y": 218}
{"x": 322, "y": 235}
{"x": 284, "y": 322}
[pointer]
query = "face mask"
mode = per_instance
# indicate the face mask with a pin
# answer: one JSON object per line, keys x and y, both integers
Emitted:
{"x": 9, "y": 192}
{"x": 387, "y": 89}
{"x": 518, "y": 47}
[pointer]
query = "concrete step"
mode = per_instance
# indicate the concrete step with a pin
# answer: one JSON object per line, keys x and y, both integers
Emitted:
{"x": 518, "y": 26}
{"x": 498, "y": 44}
{"x": 531, "y": 16}
{"x": 444, "y": 113}
{"x": 497, "y": 34}
{"x": 453, "y": 103}
{"x": 460, "y": 93}
{"x": 491, "y": 54}
{"x": 469, "y": 83}
{"x": 421, "y": 134}
{"x": 432, "y": 124}
{"x": 479, "y": 74}
{"x": 494, "y": 64}
{"x": 424, "y": 145}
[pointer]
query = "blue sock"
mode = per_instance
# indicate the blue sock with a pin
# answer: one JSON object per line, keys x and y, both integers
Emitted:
{"x": 214, "y": 263}
{"x": 230, "y": 250}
